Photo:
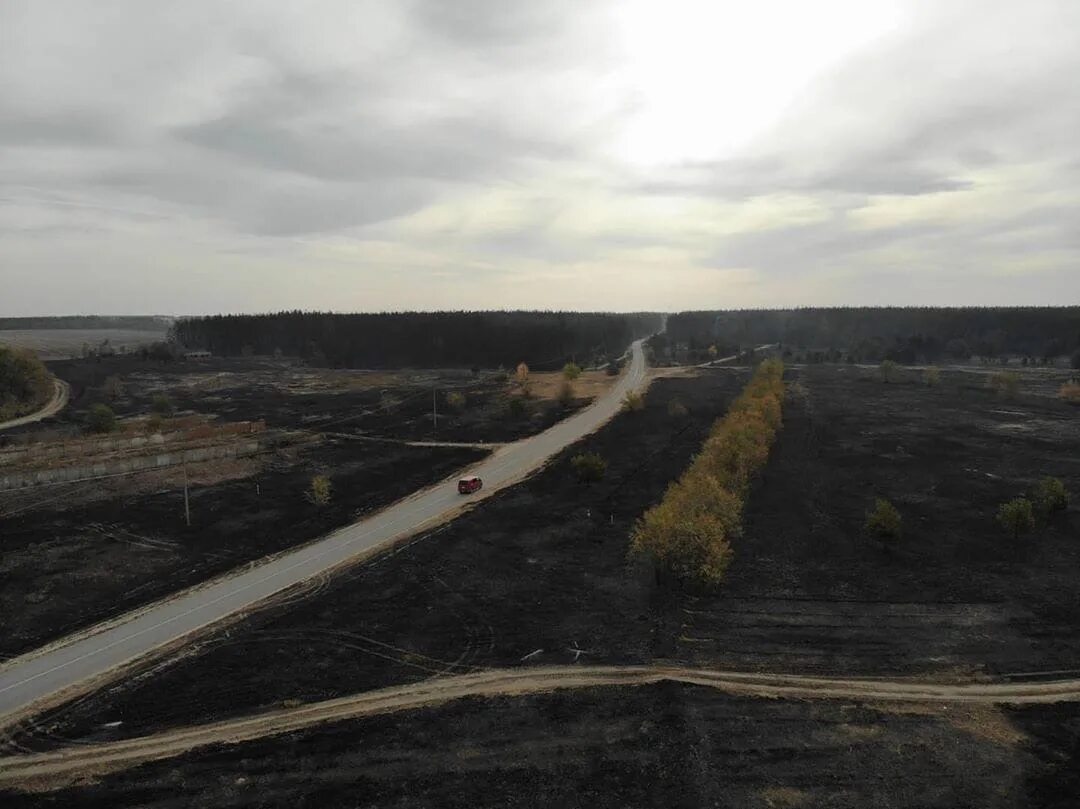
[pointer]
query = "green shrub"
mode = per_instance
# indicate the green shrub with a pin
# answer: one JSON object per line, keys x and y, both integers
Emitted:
{"x": 1016, "y": 517}
{"x": 162, "y": 405}
{"x": 455, "y": 401}
{"x": 571, "y": 371}
{"x": 25, "y": 385}
{"x": 589, "y": 467}
{"x": 633, "y": 402}
{"x": 1005, "y": 383}
{"x": 883, "y": 520}
{"x": 516, "y": 408}
{"x": 320, "y": 490}
{"x": 1049, "y": 496}
{"x": 888, "y": 371}
{"x": 101, "y": 419}
{"x": 932, "y": 377}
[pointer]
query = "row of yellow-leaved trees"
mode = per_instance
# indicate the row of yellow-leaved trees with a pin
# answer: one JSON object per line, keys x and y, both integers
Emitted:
{"x": 688, "y": 534}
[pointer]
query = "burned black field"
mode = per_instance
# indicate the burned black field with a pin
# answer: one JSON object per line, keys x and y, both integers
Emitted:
{"x": 539, "y": 575}
{"x": 661, "y": 745}
{"x": 290, "y": 395}
{"x": 65, "y": 567}
{"x": 810, "y": 591}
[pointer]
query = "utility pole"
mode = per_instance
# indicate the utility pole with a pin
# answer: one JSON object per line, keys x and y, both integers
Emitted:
{"x": 434, "y": 414}
{"x": 187, "y": 506}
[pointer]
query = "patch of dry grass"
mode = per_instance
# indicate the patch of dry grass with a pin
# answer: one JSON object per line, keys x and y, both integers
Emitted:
{"x": 590, "y": 384}
{"x": 981, "y": 720}
{"x": 784, "y": 797}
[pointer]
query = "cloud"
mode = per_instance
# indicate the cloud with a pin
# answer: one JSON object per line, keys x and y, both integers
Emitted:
{"x": 386, "y": 152}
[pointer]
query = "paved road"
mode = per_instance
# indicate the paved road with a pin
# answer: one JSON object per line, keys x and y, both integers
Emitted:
{"x": 38, "y": 678}
{"x": 57, "y": 403}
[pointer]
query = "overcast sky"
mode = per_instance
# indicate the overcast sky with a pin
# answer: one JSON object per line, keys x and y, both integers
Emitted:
{"x": 205, "y": 156}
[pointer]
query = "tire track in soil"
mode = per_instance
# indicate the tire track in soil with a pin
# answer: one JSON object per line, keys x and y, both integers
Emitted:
{"x": 56, "y": 769}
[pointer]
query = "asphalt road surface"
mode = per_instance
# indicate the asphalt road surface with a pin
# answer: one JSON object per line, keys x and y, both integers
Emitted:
{"x": 40, "y": 677}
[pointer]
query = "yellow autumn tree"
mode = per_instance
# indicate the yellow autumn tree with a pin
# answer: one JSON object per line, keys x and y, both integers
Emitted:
{"x": 688, "y": 534}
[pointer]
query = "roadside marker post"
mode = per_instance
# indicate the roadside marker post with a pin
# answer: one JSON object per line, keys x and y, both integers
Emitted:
{"x": 187, "y": 506}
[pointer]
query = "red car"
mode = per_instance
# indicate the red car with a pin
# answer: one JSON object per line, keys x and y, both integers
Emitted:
{"x": 469, "y": 485}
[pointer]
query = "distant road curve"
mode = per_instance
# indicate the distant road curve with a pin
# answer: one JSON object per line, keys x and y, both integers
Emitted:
{"x": 60, "y": 767}
{"x": 59, "y": 400}
{"x": 86, "y": 660}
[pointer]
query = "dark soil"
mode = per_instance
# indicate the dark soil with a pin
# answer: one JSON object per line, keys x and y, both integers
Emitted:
{"x": 538, "y": 573}
{"x": 665, "y": 745}
{"x": 402, "y": 410}
{"x": 65, "y": 569}
{"x": 809, "y": 590}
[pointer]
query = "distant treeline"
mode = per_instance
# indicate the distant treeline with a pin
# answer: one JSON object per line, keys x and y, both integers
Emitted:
{"x": 543, "y": 340}
{"x": 134, "y": 322}
{"x": 874, "y": 334}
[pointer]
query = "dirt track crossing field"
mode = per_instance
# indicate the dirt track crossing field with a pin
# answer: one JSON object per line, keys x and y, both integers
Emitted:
{"x": 60, "y": 767}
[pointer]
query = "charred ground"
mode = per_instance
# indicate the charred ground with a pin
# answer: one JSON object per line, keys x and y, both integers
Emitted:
{"x": 539, "y": 573}
{"x": 662, "y": 745}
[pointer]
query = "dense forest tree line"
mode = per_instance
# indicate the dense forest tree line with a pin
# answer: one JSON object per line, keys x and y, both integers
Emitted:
{"x": 134, "y": 322}
{"x": 544, "y": 340}
{"x": 24, "y": 382}
{"x": 901, "y": 334}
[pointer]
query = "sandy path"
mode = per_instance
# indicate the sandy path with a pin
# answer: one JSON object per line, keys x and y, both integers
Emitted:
{"x": 55, "y": 769}
{"x": 58, "y": 402}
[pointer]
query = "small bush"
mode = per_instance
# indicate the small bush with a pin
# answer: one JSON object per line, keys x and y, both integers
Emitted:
{"x": 1049, "y": 496}
{"x": 162, "y": 405}
{"x": 1070, "y": 393}
{"x": 455, "y": 401}
{"x": 589, "y": 467}
{"x": 517, "y": 408}
{"x": 1005, "y": 383}
{"x": 101, "y": 419}
{"x": 676, "y": 409}
{"x": 521, "y": 374}
{"x": 932, "y": 377}
{"x": 388, "y": 403}
{"x": 25, "y": 385}
{"x": 1016, "y": 517}
{"x": 571, "y": 371}
{"x": 154, "y": 423}
{"x": 888, "y": 371}
{"x": 633, "y": 403}
{"x": 320, "y": 490}
{"x": 883, "y": 520}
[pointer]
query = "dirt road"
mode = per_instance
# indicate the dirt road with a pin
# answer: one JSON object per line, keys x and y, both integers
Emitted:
{"x": 57, "y": 403}
{"x": 58, "y": 768}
